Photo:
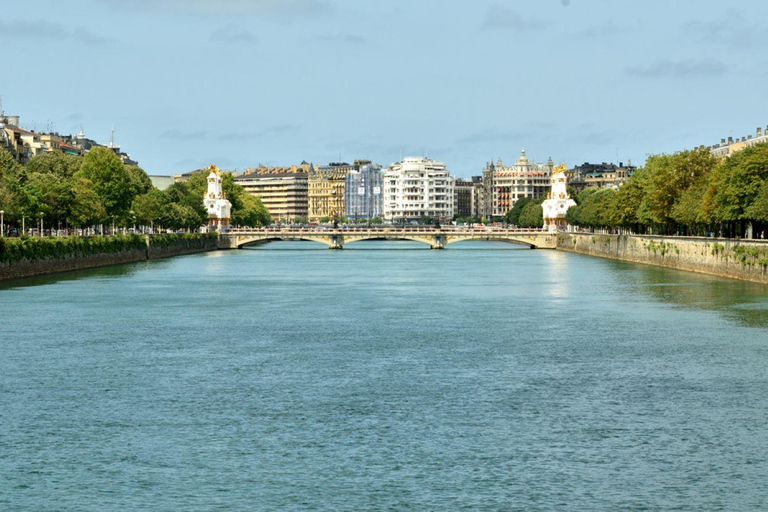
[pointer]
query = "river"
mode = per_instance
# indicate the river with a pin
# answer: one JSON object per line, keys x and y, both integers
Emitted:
{"x": 383, "y": 377}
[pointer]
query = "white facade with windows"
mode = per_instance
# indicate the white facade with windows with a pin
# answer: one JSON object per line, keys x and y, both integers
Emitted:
{"x": 418, "y": 187}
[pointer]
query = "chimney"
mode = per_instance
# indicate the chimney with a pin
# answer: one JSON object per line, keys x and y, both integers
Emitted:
{"x": 730, "y": 140}
{"x": 722, "y": 142}
{"x": 759, "y": 131}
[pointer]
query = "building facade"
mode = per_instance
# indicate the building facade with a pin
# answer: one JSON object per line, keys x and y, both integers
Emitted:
{"x": 282, "y": 190}
{"x": 504, "y": 185}
{"x": 730, "y": 146}
{"x": 601, "y": 175}
{"x": 25, "y": 144}
{"x": 363, "y": 191}
{"x": 464, "y": 198}
{"x": 326, "y": 191}
{"x": 416, "y": 188}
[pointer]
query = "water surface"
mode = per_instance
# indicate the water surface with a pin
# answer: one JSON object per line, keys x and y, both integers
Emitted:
{"x": 383, "y": 377}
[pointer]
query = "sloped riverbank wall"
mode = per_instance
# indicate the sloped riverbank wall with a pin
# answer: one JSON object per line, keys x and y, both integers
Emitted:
{"x": 737, "y": 259}
{"x": 38, "y": 256}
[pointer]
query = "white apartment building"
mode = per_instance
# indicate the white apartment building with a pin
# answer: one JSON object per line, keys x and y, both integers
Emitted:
{"x": 418, "y": 187}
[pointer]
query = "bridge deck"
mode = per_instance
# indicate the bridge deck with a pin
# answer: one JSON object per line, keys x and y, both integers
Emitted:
{"x": 437, "y": 238}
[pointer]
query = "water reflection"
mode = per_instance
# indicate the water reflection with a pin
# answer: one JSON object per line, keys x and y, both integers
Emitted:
{"x": 111, "y": 272}
{"x": 740, "y": 301}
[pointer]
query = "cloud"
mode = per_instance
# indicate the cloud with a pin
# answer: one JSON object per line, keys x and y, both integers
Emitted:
{"x": 565, "y": 3}
{"x": 680, "y": 69}
{"x": 350, "y": 39}
{"x": 46, "y": 31}
{"x": 732, "y": 28}
{"x": 291, "y": 8}
{"x": 501, "y": 18}
{"x": 233, "y": 34}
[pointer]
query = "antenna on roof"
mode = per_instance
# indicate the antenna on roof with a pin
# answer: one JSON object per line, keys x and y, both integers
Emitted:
{"x": 2, "y": 112}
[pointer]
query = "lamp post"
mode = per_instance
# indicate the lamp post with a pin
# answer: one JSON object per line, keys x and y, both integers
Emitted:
{"x": 42, "y": 232}
{"x": 23, "y": 230}
{"x": 2, "y": 222}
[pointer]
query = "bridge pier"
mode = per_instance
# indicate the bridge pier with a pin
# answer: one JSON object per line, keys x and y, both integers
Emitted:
{"x": 337, "y": 242}
{"x": 438, "y": 242}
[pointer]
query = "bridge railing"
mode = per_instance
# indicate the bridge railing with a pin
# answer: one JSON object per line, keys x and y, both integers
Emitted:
{"x": 425, "y": 230}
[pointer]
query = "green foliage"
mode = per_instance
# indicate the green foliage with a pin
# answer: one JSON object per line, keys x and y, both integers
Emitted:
{"x": 758, "y": 209}
{"x": 59, "y": 164}
{"x": 111, "y": 180}
{"x": 32, "y": 248}
{"x": 149, "y": 208}
{"x": 513, "y": 215}
{"x": 13, "y": 250}
{"x": 662, "y": 248}
{"x": 596, "y": 208}
{"x": 739, "y": 184}
{"x": 167, "y": 240}
{"x": 140, "y": 182}
{"x": 532, "y": 215}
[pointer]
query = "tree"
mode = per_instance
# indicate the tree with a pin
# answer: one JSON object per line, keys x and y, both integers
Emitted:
{"x": 86, "y": 208}
{"x": 532, "y": 215}
{"x": 513, "y": 215}
{"x": 111, "y": 181}
{"x": 139, "y": 180}
{"x": 667, "y": 177}
{"x": 47, "y": 194}
{"x": 60, "y": 164}
{"x": 628, "y": 199}
{"x": 758, "y": 209}
{"x": 11, "y": 176}
{"x": 596, "y": 208}
{"x": 183, "y": 195}
{"x": 149, "y": 207}
{"x": 738, "y": 183}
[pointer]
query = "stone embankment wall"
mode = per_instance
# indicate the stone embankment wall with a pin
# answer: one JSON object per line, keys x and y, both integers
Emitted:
{"x": 738, "y": 259}
{"x": 152, "y": 248}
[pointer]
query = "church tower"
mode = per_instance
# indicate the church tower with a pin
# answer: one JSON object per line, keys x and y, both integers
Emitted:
{"x": 216, "y": 203}
{"x": 558, "y": 202}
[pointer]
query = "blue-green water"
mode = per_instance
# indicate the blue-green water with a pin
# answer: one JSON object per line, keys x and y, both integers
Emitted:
{"x": 291, "y": 377}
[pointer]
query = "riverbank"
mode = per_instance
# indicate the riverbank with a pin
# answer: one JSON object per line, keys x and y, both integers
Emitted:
{"x": 736, "y": 259}
{"x": 27, "y": 257}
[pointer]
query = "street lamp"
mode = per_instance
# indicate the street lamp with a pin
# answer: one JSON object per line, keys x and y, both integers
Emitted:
{"x": 2, "y": 222}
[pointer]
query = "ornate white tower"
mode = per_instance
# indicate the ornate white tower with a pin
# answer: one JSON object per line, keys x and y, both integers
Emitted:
{"x": 558, "y": 202}
{"x": 216, "y": 203}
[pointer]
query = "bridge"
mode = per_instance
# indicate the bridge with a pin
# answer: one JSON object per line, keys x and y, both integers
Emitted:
{"x": 436, "y": 238}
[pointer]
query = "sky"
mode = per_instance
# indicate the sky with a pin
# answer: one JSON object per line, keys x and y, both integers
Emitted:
{"x": 239, "y": 83}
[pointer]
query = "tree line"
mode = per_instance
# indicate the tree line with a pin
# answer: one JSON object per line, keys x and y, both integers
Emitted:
{"x": 77, "y": 192}
{"x": 685, "y": 193}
